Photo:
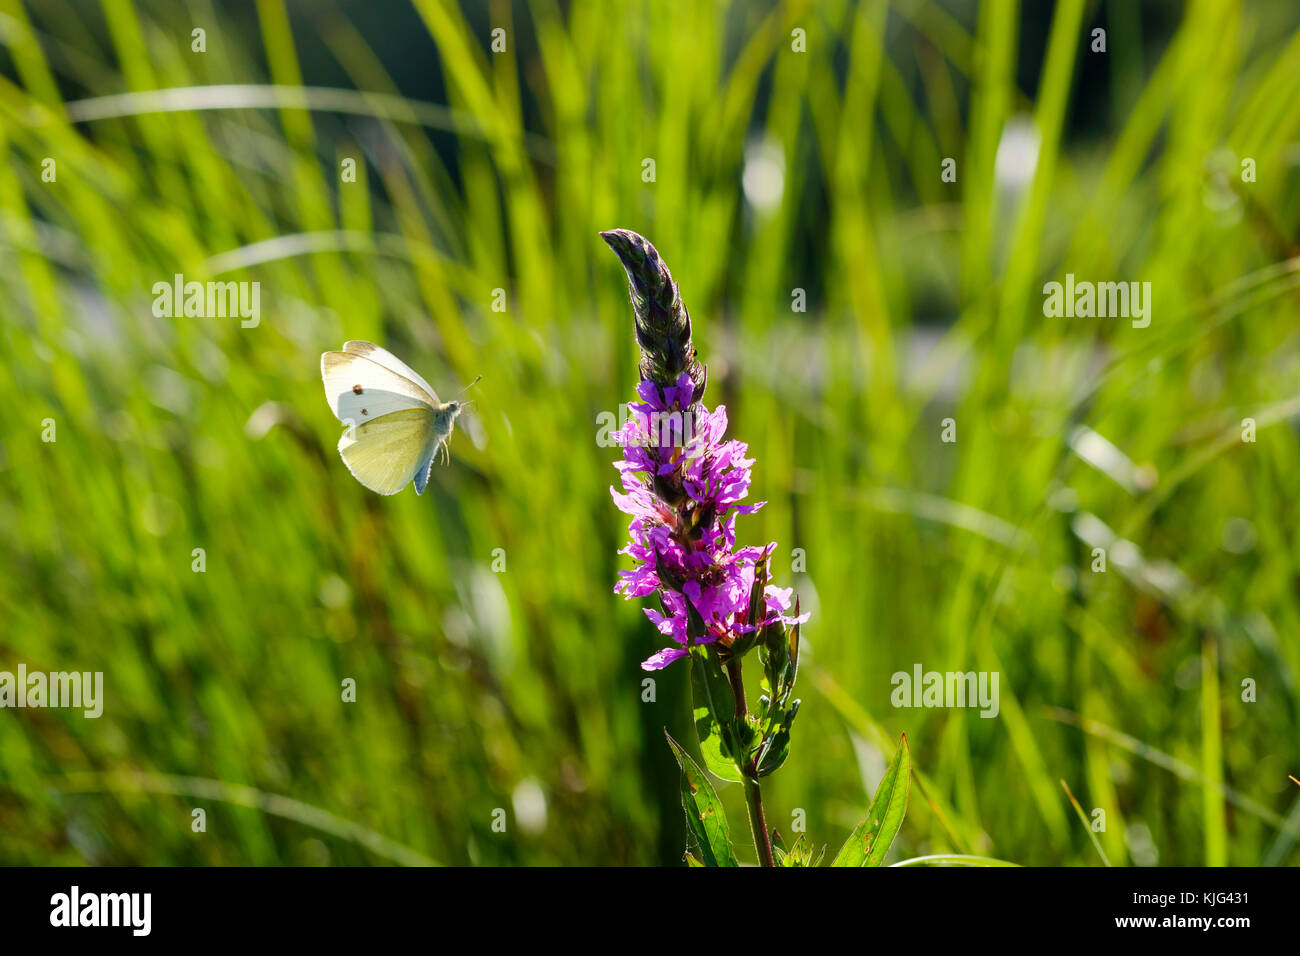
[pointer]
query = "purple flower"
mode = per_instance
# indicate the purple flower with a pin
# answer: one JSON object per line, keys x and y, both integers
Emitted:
{"x": 683, "y": 487}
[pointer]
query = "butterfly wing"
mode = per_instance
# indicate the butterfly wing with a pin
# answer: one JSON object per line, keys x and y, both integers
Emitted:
{"x": 391, "y": 362}
{"x": 360, "y": 390}
{"x": 444, "y": 420}
{"x": 423, "y": 475}
{"x": 387, "y": 453}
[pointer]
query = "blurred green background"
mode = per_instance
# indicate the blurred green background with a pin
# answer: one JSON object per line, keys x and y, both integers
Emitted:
{"x": 783, "y": 161}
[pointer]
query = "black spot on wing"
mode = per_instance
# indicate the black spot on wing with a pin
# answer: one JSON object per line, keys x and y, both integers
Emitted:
{"x": 349, "y": 402}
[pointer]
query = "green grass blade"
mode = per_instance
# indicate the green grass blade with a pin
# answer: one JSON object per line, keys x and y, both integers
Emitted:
{"x": 953, "y": 859}
{"x": 1083, "y": 818}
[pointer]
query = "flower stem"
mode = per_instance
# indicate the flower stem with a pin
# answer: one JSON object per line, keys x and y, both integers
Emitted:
{"x": 737, "y": 688}
{"x": 758, "y": 823}
{"x": 753, "y": 794}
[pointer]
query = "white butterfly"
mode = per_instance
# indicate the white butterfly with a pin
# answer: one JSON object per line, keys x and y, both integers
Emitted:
{"x": 396, "y": 425}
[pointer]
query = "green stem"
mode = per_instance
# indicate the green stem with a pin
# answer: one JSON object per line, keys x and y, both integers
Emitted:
{"x": 753, "y": 794}
{"x": 757, "y": 822}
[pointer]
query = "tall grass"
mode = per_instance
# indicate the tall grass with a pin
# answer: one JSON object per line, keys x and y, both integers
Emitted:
{"x": 476, "y": 689}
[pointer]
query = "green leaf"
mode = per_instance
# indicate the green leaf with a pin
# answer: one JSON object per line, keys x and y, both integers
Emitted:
{"x": 705, "y": 817}
{"x": 776, "y": 746}
{"x": 779, "y": 655}
{"x": 871, "y": 839}
{"x": 800, "y": 854}
{"x": 778, "y": 848}
{"x": 714, "y": 712}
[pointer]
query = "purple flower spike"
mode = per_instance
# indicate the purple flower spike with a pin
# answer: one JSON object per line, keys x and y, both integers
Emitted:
{"x": 683, "y": 485}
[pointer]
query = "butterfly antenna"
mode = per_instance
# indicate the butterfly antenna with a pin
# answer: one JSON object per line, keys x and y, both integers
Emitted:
{"x": 472, "y": 384}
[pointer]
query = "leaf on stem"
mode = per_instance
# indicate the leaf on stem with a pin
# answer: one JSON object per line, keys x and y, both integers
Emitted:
{"x": 705, "y": 818}
{"x": 871, "y": 839}
{"x": 714, "y": 709}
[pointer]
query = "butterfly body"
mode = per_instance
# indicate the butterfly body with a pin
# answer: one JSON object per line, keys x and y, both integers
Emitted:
{"x": 396, "y": 424}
